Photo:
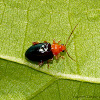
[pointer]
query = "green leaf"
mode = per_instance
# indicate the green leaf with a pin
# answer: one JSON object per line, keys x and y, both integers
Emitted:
{"x": 27, "y": 21}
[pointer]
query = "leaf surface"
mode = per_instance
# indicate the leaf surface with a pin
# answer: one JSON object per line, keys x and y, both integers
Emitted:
{"x": 27, "y": 21}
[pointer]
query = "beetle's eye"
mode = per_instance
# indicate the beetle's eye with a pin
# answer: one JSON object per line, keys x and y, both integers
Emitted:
{"x": 63, "y": 50}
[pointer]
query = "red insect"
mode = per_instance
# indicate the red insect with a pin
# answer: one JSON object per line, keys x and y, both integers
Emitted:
{"x": 41, "y": 52}
{"x": 56, "y": 48}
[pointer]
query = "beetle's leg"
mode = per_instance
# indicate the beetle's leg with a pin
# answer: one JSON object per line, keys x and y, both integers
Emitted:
{"x": 41, "y": 63}
{"x": 49, "y": 61}
{"x": 45, "y": 42}
{"x": 54, "y": 41}
{"x": 58, "y": 56}
{"x": 62, "y": 57}
{"x": 59, "y": 41}
{"x": 34, "y": 43}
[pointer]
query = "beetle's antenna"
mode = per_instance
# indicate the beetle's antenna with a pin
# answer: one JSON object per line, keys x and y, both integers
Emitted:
{"x": 69, "y": 55}
{"x": 70, "y": 35}
{"x": 68, "y": 40}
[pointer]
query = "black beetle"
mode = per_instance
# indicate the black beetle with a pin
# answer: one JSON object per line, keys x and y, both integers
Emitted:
{"x": 39, "y": 52}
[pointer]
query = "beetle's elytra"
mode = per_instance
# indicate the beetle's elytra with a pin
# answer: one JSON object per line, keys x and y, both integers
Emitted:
{"x": 41, "y": 52}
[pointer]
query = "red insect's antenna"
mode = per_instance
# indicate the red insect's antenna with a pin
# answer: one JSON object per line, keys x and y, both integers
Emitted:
{"x": 70, "y": 35}
{"x": 68, "y": 40}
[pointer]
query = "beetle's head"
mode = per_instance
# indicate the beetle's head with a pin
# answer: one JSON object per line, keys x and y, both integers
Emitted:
{"x": 62, "y": 47}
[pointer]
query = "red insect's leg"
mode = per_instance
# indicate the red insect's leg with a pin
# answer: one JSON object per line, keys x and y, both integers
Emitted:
{"x": 54, "y": 41}
{"x": 59, "y": 41}
{"x": 62, "y": 57}
{"x": 58, "y": 56}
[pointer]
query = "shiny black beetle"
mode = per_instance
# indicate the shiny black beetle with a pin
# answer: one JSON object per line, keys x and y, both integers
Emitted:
{"x": 39, "y": 52}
